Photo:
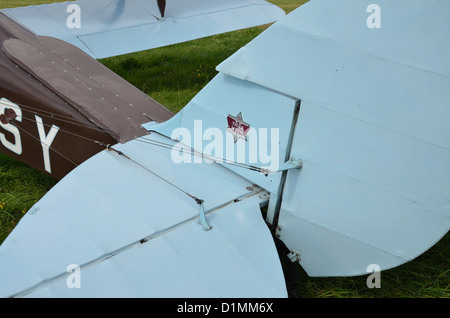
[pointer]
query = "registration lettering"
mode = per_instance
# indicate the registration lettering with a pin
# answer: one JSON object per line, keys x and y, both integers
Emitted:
{"x": 46, "y": 139}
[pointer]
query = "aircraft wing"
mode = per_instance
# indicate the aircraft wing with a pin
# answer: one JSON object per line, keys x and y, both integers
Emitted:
{"x": 367, "y": 119}
{"x": 105, "y": 28}
{"x": 129, "y": 223}
{"x": 372, "y": 129}
{"x": 353, "y": 129}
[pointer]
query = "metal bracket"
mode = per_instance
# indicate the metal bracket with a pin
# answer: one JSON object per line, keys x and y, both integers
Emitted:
{"x": 288, "y": 165}
{"x": 294, "y": 256}
{"x": 202, "y": 217}
{"x": 291, "y": 164}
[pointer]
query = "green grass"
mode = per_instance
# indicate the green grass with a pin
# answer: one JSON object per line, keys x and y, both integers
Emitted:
{"x": 20, "y": 188}
{"x": 173, "y": 75}
{"x": 428, "y": 276}
{"x": 23, "y": 3}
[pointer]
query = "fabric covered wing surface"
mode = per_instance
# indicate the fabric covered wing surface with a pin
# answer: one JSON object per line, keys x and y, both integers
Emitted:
{"x": 134, "y": 234}
{"x": 109, "y": 28}
{"x": 372, "y": 131}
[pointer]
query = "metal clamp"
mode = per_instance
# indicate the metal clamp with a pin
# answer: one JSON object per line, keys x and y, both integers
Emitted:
{"x": 294, "y": 256}
{"x": 291, "y": 164}
{"x": 202, "y": 217}
{"x": 288, "y": 165}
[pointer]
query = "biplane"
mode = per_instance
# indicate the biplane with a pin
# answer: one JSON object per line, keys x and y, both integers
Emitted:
{"x": 324, "y": 141}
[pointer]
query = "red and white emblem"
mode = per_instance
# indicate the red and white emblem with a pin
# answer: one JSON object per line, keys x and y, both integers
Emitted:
{"x": 237, "y": 127}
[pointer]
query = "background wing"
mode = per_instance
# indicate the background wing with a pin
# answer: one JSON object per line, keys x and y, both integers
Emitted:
{"x": 105, "y": 28}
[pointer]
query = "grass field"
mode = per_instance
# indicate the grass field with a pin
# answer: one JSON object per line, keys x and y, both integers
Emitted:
{"x": 173, "y": 75}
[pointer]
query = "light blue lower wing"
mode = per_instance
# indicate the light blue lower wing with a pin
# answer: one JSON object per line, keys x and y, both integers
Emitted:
{"x": 129, "y": 225}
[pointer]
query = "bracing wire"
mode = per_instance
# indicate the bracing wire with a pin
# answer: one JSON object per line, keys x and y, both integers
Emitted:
{"x": 62, "y": 118}
{"x": 68, "y": 132}
{"x": 197, "y": 200}
{"x": 34, "y": 137}
{"x": 193, "y": 152}
{"x": 145, "y": 140}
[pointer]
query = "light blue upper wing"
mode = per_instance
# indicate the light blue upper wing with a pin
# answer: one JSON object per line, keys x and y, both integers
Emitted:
{"x": 105, "y": 28}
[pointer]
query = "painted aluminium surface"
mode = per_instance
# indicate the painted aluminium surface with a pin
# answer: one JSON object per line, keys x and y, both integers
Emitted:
{"x": 109, "y": 28}
{"x": 133, "y": 233}
{"x": 372, "y": 131}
